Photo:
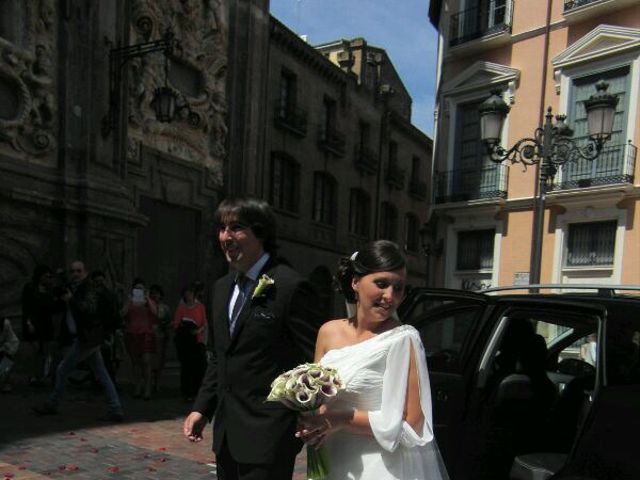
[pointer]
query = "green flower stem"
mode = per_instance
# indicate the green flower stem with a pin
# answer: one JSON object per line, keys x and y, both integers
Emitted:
{"x": 317, "y": 463}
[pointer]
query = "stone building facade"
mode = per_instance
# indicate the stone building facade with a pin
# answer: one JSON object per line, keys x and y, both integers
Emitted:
{"x": 342, "y": 162}
{"x": 88, "y": 170}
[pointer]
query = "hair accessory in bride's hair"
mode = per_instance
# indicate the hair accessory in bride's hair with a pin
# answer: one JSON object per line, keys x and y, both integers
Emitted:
{"x": 353, "y": 256}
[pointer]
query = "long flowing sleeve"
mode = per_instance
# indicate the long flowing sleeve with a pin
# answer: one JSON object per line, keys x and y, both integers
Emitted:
{"x": 389, "y": 428}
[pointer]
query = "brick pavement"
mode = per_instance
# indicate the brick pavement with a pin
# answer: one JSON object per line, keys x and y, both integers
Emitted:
{"x": 73, "y": 444}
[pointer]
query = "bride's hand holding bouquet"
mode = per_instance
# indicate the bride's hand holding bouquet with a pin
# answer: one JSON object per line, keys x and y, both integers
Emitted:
{"x": 308, "y": 389}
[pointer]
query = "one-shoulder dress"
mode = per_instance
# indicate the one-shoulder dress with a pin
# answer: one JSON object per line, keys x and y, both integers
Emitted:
{"x": 375, "y": 372}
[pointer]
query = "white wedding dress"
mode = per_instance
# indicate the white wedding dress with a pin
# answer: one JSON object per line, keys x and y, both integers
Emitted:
{"x": 375, "y": 373}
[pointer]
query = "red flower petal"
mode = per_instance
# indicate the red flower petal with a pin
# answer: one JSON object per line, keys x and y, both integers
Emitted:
{"x": 163, "y": 449}
{"x": 72, "y": 468}
{"x": 113, "y": 469}
{"x": 8, "y": 475}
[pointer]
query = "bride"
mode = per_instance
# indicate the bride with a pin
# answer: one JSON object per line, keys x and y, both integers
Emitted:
{"x": 380, "y": 427}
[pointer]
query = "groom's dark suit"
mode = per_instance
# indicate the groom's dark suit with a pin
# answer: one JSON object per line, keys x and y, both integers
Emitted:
{"x": 273, "y": 333}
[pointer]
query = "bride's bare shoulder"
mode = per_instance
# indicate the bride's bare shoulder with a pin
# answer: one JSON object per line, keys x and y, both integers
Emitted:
{"x": 334, "y": 329}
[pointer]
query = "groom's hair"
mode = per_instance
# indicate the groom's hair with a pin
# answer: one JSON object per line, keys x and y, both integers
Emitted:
{"x": 253, "y": 213}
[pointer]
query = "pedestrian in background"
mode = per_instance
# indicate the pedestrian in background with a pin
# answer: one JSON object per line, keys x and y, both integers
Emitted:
{"x": 38, "y": 307}
{"x": 86, "y": 307}
{"x": 140, "y": 318}
{"x": 189, "y": 324}
{"x": 163, "y": 332}
{"x": 113, "y": 322}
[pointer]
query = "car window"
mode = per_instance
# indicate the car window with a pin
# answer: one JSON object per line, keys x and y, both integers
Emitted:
{"x": 623, "y": 351}
{"x": 444, "y": 326}
{"x": 583, "y": 349}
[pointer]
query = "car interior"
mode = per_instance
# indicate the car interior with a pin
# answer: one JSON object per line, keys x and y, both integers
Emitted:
{"x": 540, "y": 389}
{"x": 536, "y": 400}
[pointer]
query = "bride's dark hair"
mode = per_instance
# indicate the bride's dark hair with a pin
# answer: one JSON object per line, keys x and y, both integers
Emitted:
{"x": 377, "y": 256}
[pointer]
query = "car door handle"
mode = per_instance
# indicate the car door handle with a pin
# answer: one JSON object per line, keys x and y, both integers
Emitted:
{"x": 442, "y": 396}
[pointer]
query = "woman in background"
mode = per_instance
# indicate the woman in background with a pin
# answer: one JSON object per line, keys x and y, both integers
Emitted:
{"x": 140, "y": 318}
{"x": 189, "y": 323}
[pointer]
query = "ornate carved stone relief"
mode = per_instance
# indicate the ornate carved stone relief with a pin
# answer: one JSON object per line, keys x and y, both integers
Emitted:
{"x": 197, "y": 72}
{"x": 27, "y": 81}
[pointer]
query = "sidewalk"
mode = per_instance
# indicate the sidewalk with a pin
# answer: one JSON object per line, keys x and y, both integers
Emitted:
{"x": 148, "y": 445}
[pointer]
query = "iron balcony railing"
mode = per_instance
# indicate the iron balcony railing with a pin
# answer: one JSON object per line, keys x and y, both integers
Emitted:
{"x": 365, "y": 160}
{"x": 331, "y": 140}
{"x": 489, "y": 17}
{"x": 291, "y": 118}
{"x": 614, "y": 165}
{"x": 394, "y": 177}
{"x": 465, "y": 184}
{"x": 571, "y": 4}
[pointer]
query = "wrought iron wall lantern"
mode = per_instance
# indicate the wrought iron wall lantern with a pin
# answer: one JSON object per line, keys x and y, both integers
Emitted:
{"x": 165, "y": 102}
{"x": 550, "y": 147}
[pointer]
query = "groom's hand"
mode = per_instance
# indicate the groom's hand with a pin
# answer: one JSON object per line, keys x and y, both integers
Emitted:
{"x": 194, "y": 425}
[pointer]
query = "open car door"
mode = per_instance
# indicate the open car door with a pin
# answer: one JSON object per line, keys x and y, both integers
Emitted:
{"x": 449, "y": 322}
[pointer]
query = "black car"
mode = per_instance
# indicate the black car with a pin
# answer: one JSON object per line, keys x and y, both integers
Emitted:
{"x": 533, "y": 384}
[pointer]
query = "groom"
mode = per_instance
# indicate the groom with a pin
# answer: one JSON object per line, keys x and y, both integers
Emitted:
{"x": 264, "y": 321}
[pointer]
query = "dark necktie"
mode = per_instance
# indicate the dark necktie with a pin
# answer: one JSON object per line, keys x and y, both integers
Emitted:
{"x": 242, "y": 283}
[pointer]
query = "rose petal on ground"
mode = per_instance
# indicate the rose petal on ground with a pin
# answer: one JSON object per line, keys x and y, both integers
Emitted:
{"x": 113, "y": 469}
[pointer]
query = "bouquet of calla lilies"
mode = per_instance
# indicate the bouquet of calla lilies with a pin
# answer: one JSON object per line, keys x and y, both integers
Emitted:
{"x": 304, "y": 389}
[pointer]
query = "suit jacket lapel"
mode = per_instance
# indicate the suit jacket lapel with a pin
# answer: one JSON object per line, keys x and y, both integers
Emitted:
{"x": 247, "y": 308}
{"x": 221, "y": 314}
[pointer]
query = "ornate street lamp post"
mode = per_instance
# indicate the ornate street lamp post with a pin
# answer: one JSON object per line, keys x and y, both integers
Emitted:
{"x": 550, "y": 147}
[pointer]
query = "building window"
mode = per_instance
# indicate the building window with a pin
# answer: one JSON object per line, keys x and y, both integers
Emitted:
{"x": 415, "y": 169}
{"x": 359, "y": 208}
{"x": 285, "y": 181}
{"x": 610, "y": 164}
{"x": 324, "y": 198}
{"x": 591, "y": 244}
{"x": 393, "y": 154}
{"x": 329, "y": 117}
{"x": 288, "y": 92}
{"x": 469, "y": 151}
{"x": 475, "y": 250}
{"x": 365, "y": 136}
{"x": 388, "y": 221}
{"x": 411, "y": 232}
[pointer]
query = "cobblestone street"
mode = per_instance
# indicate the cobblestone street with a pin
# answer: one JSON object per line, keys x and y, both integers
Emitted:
{"x": 74, "y": 444}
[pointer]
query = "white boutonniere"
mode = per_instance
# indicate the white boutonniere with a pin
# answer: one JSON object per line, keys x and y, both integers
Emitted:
{"x": 264, "y": 282}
